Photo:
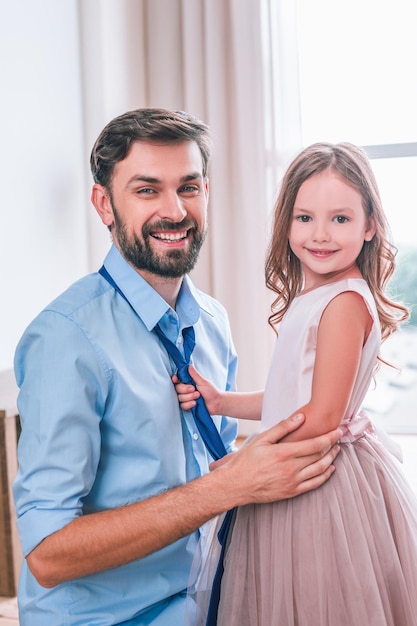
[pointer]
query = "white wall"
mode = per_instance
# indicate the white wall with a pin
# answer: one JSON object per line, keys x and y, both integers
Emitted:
{"x": 43, "y": 210}
{"x": 73, "y": 65}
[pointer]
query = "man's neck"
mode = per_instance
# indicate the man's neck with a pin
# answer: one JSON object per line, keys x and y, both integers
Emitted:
{"x": 168, "y": 288}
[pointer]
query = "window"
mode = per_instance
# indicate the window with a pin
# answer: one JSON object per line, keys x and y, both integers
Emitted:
{"x": 356, "y": 64}
{"x": 346, "y": 72}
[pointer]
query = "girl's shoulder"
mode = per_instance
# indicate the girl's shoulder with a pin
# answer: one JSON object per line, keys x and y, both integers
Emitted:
{"x": 357, "y": 285}
{"x": 330, "y": 290}
{"x": 317, "y": 299}
{"x": 353, "y": 285}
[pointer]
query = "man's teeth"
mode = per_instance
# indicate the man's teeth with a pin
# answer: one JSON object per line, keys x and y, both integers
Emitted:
{"x": 171, "y": 236}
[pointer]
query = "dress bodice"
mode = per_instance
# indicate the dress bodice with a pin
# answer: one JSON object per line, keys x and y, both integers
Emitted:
{"x": 290, "y": 376}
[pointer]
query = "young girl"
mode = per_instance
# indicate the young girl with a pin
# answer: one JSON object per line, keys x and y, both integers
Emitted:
{"x": 346, "y": 553}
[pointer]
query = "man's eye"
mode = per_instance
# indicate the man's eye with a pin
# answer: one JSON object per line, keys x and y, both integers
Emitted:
{"x": 190, "y": 189}
{"x": 145, "y": 191}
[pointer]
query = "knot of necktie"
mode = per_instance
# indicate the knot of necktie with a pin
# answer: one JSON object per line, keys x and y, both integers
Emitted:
{"x": 184, "y": 375}
{"x": 182, "y": 361}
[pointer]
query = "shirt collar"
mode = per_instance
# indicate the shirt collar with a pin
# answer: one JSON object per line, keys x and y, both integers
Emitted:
{"x": 147, "y": 302}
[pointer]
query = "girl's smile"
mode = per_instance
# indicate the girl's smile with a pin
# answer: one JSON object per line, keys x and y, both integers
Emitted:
{"x": 323, "y": 254}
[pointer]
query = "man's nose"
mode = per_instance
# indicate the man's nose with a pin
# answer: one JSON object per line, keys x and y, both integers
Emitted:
{"x": 172, "y": 208}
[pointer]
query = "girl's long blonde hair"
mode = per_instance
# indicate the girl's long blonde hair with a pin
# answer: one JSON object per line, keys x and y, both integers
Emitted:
{"x": 376, "y": 261}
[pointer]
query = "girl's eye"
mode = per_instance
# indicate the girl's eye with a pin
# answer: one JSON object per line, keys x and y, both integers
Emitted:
{"x": 341, "y": 219}
{"x": 303, "y": 218}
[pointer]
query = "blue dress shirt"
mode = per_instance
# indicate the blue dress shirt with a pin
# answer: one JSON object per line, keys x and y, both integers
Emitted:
{"x": 102, "y": 428}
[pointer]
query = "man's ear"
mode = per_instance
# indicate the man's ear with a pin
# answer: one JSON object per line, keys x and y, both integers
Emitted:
{"x": 371, "y": 230}
{"x": 101, "y": 201}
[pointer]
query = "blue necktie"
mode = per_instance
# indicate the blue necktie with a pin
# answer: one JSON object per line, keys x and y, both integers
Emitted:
{"x": 206, "y": 428}
{"x": 202, "y": 418}
{"x": 214, "y": 445}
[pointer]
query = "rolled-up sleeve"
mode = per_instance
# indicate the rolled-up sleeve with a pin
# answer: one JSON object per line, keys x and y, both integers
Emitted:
{"x": 62, "y": 394}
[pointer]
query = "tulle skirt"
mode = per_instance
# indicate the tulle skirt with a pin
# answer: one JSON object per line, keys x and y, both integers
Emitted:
{"x": 342, "y": 555}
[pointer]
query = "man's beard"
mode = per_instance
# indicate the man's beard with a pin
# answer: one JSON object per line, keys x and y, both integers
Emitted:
{"x": 174, "y": 263}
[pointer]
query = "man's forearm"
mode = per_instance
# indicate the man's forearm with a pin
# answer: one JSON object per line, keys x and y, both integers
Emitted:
{"x": 108, "y": 539}
{"x": 261, "y": 471}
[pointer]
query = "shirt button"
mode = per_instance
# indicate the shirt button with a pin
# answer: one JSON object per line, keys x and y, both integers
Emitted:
{"x": 179, "y": 340}
{"x": 195, "y": 436}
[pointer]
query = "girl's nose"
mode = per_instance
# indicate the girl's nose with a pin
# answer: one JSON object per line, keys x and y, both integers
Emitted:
{"x": 321, "y": 232}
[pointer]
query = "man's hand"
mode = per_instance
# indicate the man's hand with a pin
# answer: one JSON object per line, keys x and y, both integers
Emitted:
{"x": 264, "y": 469}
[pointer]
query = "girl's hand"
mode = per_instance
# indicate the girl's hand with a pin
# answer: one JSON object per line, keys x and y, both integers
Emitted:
{"x": 187, "y": 394}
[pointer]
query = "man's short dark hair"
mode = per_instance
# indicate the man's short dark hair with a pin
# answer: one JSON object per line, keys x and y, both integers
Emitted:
{"x": 154, "y": 125}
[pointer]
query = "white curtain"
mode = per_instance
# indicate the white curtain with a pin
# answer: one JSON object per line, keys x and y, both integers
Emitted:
{"x": 219, "y": 60}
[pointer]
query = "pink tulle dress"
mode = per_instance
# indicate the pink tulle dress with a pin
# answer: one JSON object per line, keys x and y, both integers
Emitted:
{"x": 346, "y": 553}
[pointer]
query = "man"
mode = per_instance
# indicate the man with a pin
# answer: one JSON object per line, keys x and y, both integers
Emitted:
{"x": 114, "y": 479}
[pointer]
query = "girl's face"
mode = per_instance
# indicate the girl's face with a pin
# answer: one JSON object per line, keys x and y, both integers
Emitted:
{"x": 328, "y": 229}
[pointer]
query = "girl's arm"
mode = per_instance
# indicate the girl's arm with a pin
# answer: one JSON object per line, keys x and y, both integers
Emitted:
{"x": 342, "y": 332}
{"x": 246, "y": 405}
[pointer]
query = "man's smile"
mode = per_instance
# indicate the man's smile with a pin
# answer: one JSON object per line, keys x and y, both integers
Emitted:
{"x": 170, "y": 236}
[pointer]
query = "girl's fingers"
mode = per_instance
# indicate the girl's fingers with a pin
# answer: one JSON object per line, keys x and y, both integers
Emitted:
{"x": 188, "y": 397}
{"x": 187, "y": 406}
{"x": 181, "y": 388}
